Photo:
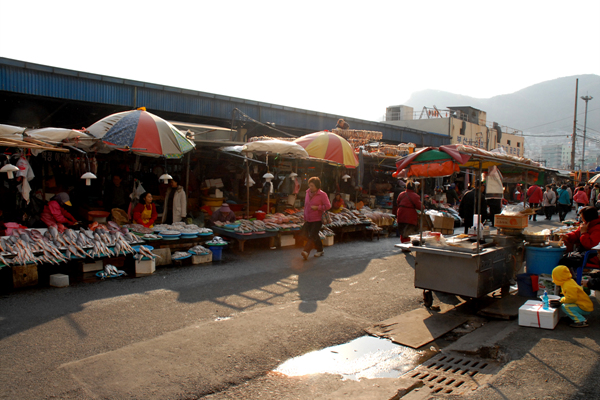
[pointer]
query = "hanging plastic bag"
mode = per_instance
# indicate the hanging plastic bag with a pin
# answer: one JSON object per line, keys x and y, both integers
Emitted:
{"x": 494, "y": 187}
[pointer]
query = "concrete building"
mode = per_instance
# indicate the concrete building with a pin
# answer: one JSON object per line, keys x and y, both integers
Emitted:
{"x": 557, "y": 155}
{"x": 464, "y": 125}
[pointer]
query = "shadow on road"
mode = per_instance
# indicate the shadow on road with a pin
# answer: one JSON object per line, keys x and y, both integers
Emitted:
{"x": 243, "y": 281}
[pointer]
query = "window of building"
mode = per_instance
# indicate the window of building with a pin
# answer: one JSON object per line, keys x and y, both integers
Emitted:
{"x": 508, "y": 142}
{"x": 518, "y": 144}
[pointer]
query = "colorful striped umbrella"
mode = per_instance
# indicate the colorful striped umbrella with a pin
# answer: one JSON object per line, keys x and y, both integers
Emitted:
{"x": 329, "y": 146}
{"x": 143, "y": 133}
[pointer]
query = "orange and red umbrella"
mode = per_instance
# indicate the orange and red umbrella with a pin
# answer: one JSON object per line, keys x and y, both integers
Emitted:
{"x": 329, "y": 146}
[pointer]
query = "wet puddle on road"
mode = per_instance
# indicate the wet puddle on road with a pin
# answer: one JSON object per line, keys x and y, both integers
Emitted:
{"x": 365, "y": 357}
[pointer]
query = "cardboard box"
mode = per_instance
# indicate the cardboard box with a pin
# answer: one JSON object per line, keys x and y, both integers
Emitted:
{"x": 24, "y": 275}
{"x": 144, "y": 267}
{"x": 511, "y": 221}
{"x": 201, "y": 259}
{"x": 95, "y": 266}
{"x": 532, "y": 314}
{"x": 442, "y": 224}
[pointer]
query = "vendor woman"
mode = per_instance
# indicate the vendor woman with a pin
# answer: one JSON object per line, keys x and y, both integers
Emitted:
{"x": 144, "y": 212}
{"x": 338, "y": 204}
{"x": 54, "y": 213}
{"x": 223, "y": 214}
{"x": 175, "y": 208}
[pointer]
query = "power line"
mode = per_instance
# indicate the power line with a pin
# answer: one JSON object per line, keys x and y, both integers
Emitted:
{"x": 558, "y": 120}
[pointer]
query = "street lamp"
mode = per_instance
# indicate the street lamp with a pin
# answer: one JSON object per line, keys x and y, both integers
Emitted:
{"x": 586, "y": 99}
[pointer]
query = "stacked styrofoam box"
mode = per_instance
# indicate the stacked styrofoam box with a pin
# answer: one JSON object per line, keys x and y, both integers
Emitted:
{"x": 532, "y": 314}
{"x": 145, "y": 267}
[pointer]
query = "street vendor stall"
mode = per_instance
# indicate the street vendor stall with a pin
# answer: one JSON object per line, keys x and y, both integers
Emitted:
{"x": 470, "y": 266}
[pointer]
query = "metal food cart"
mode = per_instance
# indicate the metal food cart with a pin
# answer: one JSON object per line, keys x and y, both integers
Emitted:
{"x": 471, "y": 272}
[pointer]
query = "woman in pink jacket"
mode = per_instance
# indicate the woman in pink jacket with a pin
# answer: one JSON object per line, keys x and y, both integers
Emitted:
{"x": 316, "y": 203}
{"x": 54, "y": 213}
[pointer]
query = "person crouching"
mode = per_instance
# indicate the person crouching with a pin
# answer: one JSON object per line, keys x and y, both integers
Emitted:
{"x": 575, "y": 302}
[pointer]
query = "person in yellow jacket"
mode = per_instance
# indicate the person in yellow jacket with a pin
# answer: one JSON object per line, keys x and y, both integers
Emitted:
{"x": 575, "y": 302}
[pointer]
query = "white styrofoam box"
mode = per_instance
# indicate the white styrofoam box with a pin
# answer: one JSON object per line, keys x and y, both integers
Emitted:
{"x": 145, "y": 267}
{"x": 59, "y": 280}
{"x": 328, "y": 241}
{"x": 287, "y": 240}
{"x": 95, "y": 266}
{"x": 532, "y": 314}
{"x": 164, "y": 256}
{"x": 201, "y": 259}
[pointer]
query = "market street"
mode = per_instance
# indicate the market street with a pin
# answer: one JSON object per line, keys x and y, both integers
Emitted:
{"x": 216, "y": 332}
{"x": 280, "y": 307}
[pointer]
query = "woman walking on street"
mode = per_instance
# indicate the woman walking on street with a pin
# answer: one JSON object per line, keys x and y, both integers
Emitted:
{"x": 564, "y": 202}
{"x": 408, "y": 219}
{"x": 316, "y": 203}
{"x": 549, "y": 202}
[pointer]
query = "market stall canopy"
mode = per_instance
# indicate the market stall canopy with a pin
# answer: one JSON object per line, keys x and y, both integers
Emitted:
{"x": 11, "y": 132}
{"x": 594, "y": 178}
{"x": 329, "y": 146}
{"x": 432, "y": 162}
{"x": 12, "y": 136}
{"x": 489, "y": 158}
{"x": 276, "y": 147}
{"x": 142, "y": 133}
{"x": 75, "y": 137}
{"x": 207, "y": 133}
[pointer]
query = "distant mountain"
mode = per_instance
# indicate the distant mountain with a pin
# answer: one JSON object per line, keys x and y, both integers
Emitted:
{"x": 540, "y": 104}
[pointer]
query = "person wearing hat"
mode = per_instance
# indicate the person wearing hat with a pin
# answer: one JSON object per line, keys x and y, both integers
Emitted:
{"x": 223, "y": 214}
{"x": 54, "y": 213}
{"x": 451, "y": 195}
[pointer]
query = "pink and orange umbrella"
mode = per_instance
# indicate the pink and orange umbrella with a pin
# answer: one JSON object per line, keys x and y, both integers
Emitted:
{"x": 329, "y": 146}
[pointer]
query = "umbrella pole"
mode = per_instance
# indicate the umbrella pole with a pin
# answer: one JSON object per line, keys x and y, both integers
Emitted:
{"x": 421, "y": 216}
{"x": 187, "y": 175}
{"x": 247, "y": 189}
{"x": 478, "y": 207}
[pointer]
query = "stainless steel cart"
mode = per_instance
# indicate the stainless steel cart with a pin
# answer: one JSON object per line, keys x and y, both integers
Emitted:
{"x": 464, "y": 273}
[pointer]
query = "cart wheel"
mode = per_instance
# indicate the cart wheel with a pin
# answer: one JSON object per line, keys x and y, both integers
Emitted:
{"x": 427, "y": 298}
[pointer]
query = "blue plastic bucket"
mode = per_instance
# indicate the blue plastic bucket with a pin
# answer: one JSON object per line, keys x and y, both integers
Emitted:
{"x": 542, "y": 260}
{"x": 217, "y": 252}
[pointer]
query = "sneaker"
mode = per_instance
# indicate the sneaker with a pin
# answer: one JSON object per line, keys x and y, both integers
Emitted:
{"x": 319, "y": 253}
{"x": 304, "y": 255}
{"x": 583, "y": 324}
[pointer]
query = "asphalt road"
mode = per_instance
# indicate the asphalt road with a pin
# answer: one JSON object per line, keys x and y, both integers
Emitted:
{"x": 217, "y": 332}
{"x": 245, "y": 316}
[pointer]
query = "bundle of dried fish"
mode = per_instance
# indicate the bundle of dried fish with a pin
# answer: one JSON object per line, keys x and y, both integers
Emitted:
{"x": 144, "y": 252}
{"x": 199, "y": 250}
{"x": 179, "y": 254}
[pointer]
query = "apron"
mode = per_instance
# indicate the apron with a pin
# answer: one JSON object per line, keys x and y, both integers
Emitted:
{"x": 146, "y": 215}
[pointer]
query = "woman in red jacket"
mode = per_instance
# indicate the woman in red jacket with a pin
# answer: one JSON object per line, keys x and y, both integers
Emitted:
{"x": 144, "y": 212}
{"x": 586, "y": 237}
{"x": 408, "y": 219}
{"x": 316, "y": 203}
{"x": 534, "y": 195}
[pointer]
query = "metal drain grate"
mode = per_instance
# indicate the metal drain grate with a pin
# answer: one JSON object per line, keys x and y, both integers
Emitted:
{"x": 453, "y": 374}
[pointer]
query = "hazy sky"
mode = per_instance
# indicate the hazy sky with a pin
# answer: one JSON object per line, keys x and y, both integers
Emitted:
{"x": 331, "y": 56}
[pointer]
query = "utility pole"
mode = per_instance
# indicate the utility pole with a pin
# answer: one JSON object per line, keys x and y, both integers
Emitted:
{"x": 574, "y": 128}
{"x": 586, "y": 99}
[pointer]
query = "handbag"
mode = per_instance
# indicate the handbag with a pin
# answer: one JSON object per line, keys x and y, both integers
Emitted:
{"x": 325, "y": 218}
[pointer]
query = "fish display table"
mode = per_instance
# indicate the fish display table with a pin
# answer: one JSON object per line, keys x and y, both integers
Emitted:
{"x": 341, "y": 230}
{"x": 243, "y": 238}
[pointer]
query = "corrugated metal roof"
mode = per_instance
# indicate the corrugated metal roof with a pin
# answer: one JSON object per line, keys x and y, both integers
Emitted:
{"x": 40, "y": 80}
